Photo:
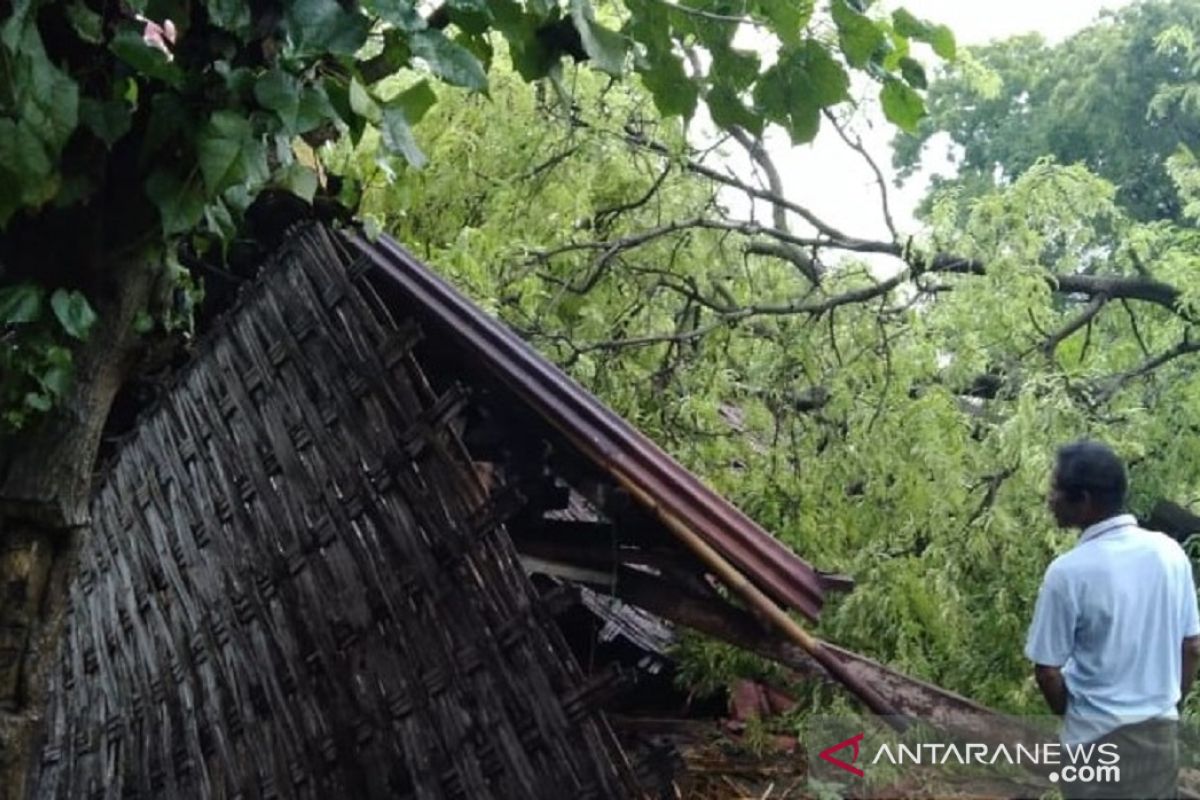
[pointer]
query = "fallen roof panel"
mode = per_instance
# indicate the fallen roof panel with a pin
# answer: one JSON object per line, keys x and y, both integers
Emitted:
{"x": 599, "y": 433}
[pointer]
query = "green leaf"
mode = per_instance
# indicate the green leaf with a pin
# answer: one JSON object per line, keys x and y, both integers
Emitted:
{"x": 794, "y": 90}
{"x": 451, "y": 62}
{"x": 22, "y": 154}
{"x": 88, "y": 25}
{"x": 674, "y": 93}
{"x": 228, "y": 153}
{"x": 361, "y": 102}
{"x": 128, "y": 46}
{"x": 315, "y": 109}
{"x": 73, "y": 312}
{"x": 531, "y": 58}
{"x": 470, "y": 6}
{"x": 415, "y": 101}
{"x": 57, "y": 380}
{"x": 232, "y": 15}
{"x": 913, "y": 72}
{"x": 316, "y": 27}
{"x": 20, "y": 303}
{"x": 299, "y": 180}
{"x": 727, "y": 110}
{"x": 401, "y": 13}
{"x": 143, "y": 323}
{"x": 47, "y": 100}
{"x": 606, "y": 48}
{"x": 737, "y": 69}
{"x": 169, "y": 117}
{"x": 108, "y": 119}
{"x": 787, "y": 17}
{"x": 942, "y": 41}
{"x": 180, "y": 204}
{"x": 815, "y": 76}
{"x": 858, "y": 36}
{"x": 901, "y": 104}
{"x": 398, "y": 137}
{"x": 218, "y": 220}
{"x": 908, "y": 25}
{"x": 38, "y": 401}
{"x": 278, "y": 91}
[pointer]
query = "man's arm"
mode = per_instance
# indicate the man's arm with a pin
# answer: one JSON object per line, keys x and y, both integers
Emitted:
{"x": 1051, "y": 639}
{"x": 1191, "y": 660}
{"x": 1054, "y": 687}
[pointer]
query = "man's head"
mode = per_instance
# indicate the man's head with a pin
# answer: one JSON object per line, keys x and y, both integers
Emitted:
{"x": 1088, "y": 485}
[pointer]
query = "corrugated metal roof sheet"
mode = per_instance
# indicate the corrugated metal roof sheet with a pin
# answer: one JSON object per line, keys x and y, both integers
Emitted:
{"x": 599, "y": 433}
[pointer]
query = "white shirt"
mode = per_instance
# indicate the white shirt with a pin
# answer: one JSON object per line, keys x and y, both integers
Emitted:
{"x": 1113, "y": 612}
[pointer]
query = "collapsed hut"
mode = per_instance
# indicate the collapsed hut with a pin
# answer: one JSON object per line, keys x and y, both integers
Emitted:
{"x": 329, "y": 563}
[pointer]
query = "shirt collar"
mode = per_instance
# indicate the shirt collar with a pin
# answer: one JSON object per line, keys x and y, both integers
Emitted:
{"x": 1095, "y": 531}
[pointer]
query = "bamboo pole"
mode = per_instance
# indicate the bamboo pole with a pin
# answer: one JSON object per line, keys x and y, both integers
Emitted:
{"x": 760, "y": 602}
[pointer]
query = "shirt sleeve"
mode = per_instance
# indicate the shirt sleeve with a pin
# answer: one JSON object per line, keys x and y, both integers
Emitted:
{"x": 1051, "y": 638}
{"x": 1187, "y": 603}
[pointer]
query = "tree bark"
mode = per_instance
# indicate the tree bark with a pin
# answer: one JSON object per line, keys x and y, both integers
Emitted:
{"x": 45, "y": 483}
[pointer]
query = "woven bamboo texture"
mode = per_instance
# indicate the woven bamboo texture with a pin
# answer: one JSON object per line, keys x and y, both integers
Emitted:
{"x": 296, "y": 587}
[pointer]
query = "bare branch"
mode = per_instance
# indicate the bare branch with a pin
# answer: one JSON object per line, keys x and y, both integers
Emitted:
{"x": 809, "y": 267}
{"x": 857, "y": 146}
{"x": 1089, "y": 313}
{"x": 606, "y": 216}
{"x": 1109, "y": 386}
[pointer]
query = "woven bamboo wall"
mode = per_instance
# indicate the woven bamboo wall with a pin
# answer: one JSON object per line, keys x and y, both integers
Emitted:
{"x": 295, "y": 587}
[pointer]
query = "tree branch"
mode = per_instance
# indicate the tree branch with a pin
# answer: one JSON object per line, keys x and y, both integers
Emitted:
{"x": 1093, "y": 308}
{"x": 857, "y": 146}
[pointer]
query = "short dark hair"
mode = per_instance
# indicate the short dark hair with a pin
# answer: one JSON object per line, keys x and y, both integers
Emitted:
{"x": 1092, "y": 467}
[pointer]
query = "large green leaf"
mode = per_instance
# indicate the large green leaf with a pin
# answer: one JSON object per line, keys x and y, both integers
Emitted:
{"x": 74, "y": 312}
{"x": 314, "y": 110}
{"x": 606, "y": 48}
{"x": 901, "y": 104}
{"x": 450, "y": 61}
{"x": 914, "y": 73}
{"x": 232, "y": 15}
{"x": 401, "y": 13}
{"x": 737, "y": 69}
{"x": 180, "y": 204}
{"x": 942, "y": 41}
{"x": 793, "y": 91}
{"x": 787, "y": 17}
{"x": 906, "y": 24}
{"x": 325, "y": 26}
{"x": 229, "y": 153}
{"x": 362, "y": 103}
{"x": 299, "y": 180}
{"x": 128, "y": 46}
{"x": 279, "y": 91}
{"x": 674, "y": 93}
{"x": 727, "y": 110}
{"x": 531, "y": 58}
{"x": 397, "y": 136}
{"x": 415, "y": 101}
{"x": 20, "y": 303}
{"x": 108, "y": 119}
{"x": 88, "y": 25}
{"x": 817, "y": 75}
{"x": 22, "y": 154}
{"x": 47, "y": 100}
{"x": 858, "y": 35}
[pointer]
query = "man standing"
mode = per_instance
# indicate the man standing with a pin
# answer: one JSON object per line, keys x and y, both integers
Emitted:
{"x": 1115, "y": 637}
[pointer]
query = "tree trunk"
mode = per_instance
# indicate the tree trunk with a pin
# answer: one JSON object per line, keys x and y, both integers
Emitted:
{"x": 45, "y": 484}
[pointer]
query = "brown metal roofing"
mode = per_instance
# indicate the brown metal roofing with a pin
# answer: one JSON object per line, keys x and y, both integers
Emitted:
{"x": 599, "y": 433}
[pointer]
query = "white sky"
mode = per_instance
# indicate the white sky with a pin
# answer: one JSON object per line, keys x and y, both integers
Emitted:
{"x": 835, "y": 182}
